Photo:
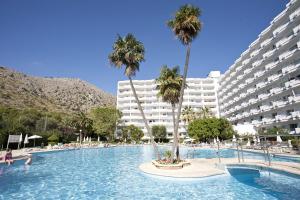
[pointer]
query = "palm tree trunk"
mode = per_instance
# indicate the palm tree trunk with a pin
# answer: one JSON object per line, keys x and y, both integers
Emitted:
{"x": 144, "y": 118}
{"x": 175, "y": 137}
{"x": 186, "y": 66}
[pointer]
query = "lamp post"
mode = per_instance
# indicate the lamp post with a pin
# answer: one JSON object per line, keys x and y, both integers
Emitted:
{"x": 80, "y": 137}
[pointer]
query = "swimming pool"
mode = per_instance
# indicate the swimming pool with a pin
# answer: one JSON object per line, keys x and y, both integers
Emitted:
{"x": 112, "y": 173}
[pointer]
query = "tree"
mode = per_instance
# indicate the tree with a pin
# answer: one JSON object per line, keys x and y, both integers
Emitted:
{"x": 208, "y": 128}
{"x": 205, "y": 112}
{"x": 159, "y": 132}
{"x": 133, "y": 132}
{"x": 186, "y": 26}
{"x": 83, "y": 124}
{"x": 105, "y": 120}
{"x": 129, "y": 52}
{"x": 188, "y": 115}
{"x": 169, "y": 85}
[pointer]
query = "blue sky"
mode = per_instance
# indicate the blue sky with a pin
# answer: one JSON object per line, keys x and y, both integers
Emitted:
{"x": 72, "y": 38}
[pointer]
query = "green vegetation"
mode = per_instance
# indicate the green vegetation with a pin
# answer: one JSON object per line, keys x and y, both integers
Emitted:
{"x": 132, "y": 133}
{"x": 56, "y": 127}
{"x": 129, "y": 52}
{"x": 105, "y": 121}
{"x": 186, "y": 26}
{"x": 159, "y": 132}
{"x": 208, "y": 128}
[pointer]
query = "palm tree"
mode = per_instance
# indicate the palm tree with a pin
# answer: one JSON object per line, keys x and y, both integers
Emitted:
{"x": 186, "y": 26}
{"x": 188, "y": 115}
{"x": 205, "y": 112}
{"x": 129, "y": 52}
{"x": 169, "y": 85}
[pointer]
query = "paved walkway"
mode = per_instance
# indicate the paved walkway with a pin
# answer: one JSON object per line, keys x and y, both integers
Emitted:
{"x": 202, "y": 167}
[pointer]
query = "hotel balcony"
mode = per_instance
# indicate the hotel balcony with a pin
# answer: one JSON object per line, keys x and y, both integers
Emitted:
{"x": 266, "y": 42}
{"x": 259, "y": 73}
{"x": 263, "y": 96}
{"x": 296, "y": 114}
{"x": 250, "y": 90}
{"x": 265, "y": 107}
{"x": 267, "y": 120}
{"x": 256, "y": 122}
{"x": 290, "y": 68}
{"x": 247, "y": 71}
{"x": 241, "y": 86}
{"x": 280, "y": 29}
{"x": 295, "y": 98}
{"x": 249, "y": 80}
{"x": 269, "y": 53}
{"x": 254, "y": 111}
{"x": 260, "y": 85}
{"x": 280, "y": 103}
{"x": 245, "y": 62}
{"x": 244, "y": 104}
{"x": 271, "y": 65}
{"x": 296, "y": 29}
{"x": 278, "y": 17}
{"x": 273, "y": 77}
{"x": 286, "y": 54}
{"x": 254, "y": 53}
{"x": 284, "y": 41}
{"x": 281, "y": 118}
{"x": 257, "y": 63}
{"x": 251, "y": 101}
{"x": 292, "y": 83}
{"x": 276, "y": 90}
{"x": 294, "y": 14}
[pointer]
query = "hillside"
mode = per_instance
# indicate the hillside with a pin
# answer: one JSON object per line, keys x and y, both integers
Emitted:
{"x": 19, "y": 90}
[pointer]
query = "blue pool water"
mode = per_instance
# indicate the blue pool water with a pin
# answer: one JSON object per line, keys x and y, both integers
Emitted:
{"x": 112, "y": 173}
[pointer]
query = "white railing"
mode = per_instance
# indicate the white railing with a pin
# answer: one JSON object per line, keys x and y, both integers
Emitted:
{"x": 263, "y": 96}
{"x": 273, "y": 77}
{"x": 269, "y": 53}
{"x": 279, "y": 103}
{"x": 296, "y": 29}
{"x": 254, "y": 53}
{"x": 265, "y": 107}
{"x": 280, "y": 29}
{"x": 257, "y": 63}
{"x": 286, "y": 54}
{"x": 249, "y": 80}
{"x": 271, "y": 65}
{"x": 294, "y": 14}
{"x": 283, "y": 41}
{"x": 292, "y": 83}
{"x": 261, "y": 84}
{"x": 282, "y": 117}
{"x": 276, "y": 90}
{"x": 296, "y": 114}
{"x": 266, "y": 42}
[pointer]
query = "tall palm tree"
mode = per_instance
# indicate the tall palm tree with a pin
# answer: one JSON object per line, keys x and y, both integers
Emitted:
{"x": 169, "y": 85}
{"x": 188, "y": 114}
{"x": 129, "y": 52}
{"x": 205, "y": 112}
{"x": 186, "y": 25}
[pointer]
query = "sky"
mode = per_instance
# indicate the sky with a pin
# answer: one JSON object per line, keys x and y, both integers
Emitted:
{"x": 73, "y": 38}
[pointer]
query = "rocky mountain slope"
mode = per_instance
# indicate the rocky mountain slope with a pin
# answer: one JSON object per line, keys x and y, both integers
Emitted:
{"x": 19, "y": 90}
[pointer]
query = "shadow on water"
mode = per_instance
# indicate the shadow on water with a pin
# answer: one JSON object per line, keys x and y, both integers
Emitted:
{"x": 268, "y": 182}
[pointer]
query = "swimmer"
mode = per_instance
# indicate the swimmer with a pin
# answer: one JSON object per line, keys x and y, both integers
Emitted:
{"x": 29, "y": 160}
{"x": 8, "y": 157}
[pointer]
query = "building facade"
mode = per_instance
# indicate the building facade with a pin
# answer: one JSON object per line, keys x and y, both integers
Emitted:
{"x": 262, "y": 87}
{"x": 200, "y": 92}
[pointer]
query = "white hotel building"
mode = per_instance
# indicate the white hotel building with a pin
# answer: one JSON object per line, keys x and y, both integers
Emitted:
{"x": 261, "y": 88}
{"x": 200, "y": 92}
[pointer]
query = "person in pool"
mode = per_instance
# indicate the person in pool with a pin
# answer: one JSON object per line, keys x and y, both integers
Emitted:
{"x": 29, "y": 160}
{"x": 8, "y": 157}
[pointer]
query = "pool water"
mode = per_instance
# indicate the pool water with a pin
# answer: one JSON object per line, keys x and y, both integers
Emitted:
{"x": 112, "y": 173}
